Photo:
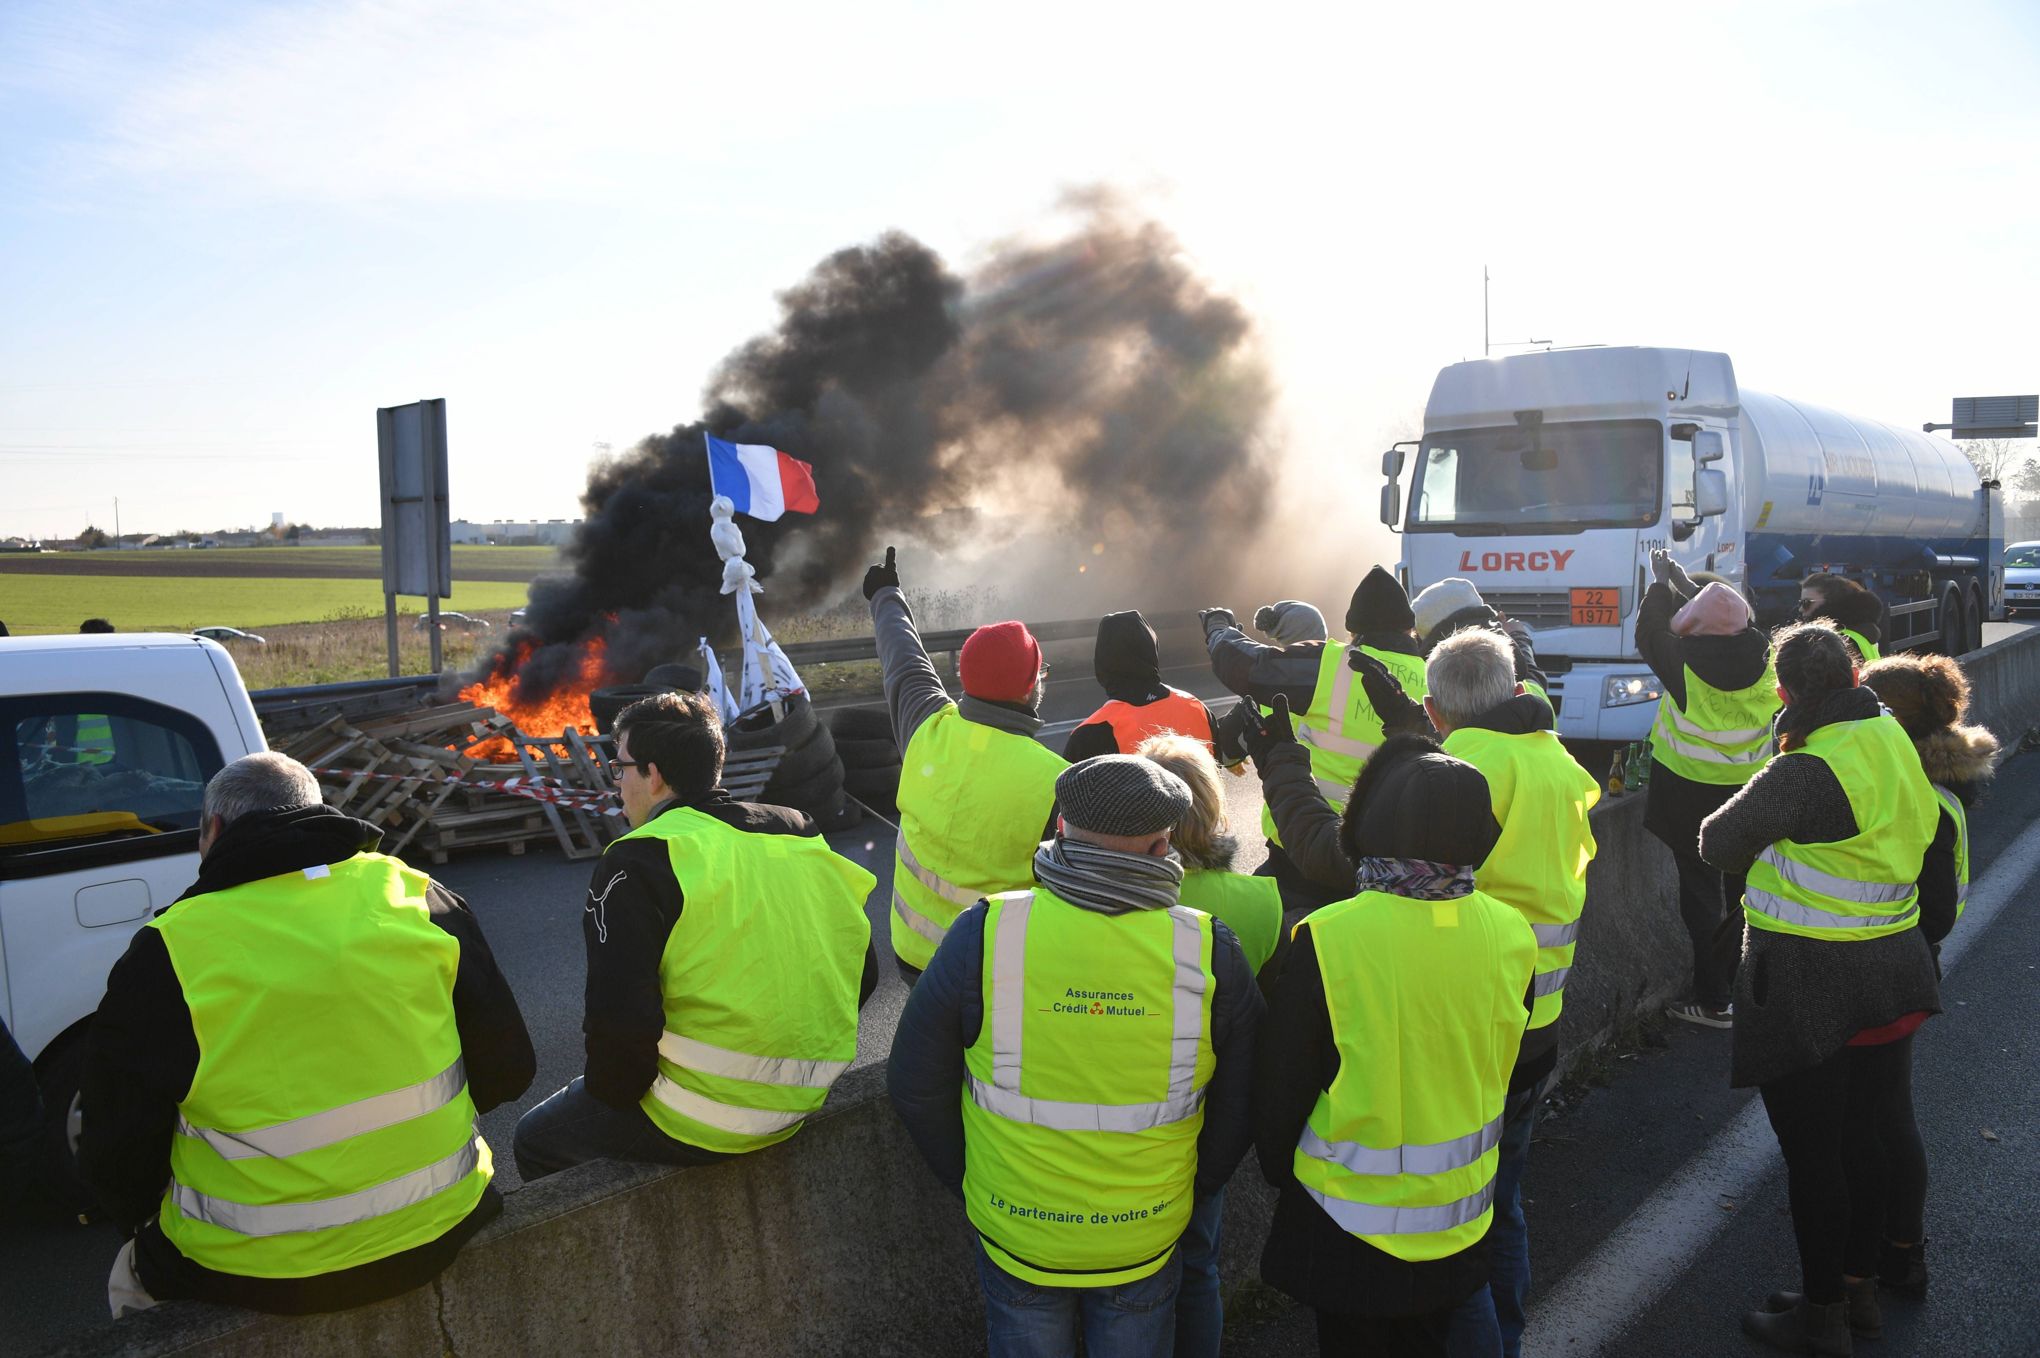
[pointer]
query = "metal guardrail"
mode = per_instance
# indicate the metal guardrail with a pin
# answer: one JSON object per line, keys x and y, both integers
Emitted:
{"x": 271, "y": 701}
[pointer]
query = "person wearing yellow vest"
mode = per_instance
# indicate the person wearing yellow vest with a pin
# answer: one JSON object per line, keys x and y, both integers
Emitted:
{"x": 1382, "y": 1072}
{"x": 1833, "y": 835}
{"x": 977, "y": 790}
{"x": 1450, "y": 606}
{"x": 1334, "y": 719}
{"x": 728, "y": 956}
{"x": 1138, "y": 704}
{"x": 1928, "y": 695}
{"x": 1713, "y": 732}
{"x": 1075, "y": 1064}
{"x": 1252, "y": 908}
{"x": 1850, "y": 606}
{"x": 302, "y": 952}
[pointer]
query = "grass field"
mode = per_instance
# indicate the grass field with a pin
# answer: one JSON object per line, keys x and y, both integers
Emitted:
{"x": 167, "y": 603}
{"x": 500, "y": 564}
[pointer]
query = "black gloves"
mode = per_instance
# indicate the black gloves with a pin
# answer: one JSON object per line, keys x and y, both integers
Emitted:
{"x": 1212, "y": 619}
{"x": 1396, "y": 709}
{"x": 879, "y": 577}
{"x": 1261, "y": 734}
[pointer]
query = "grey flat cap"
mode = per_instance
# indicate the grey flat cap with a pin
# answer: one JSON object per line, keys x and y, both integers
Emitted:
{"x": 1121, "y": 794}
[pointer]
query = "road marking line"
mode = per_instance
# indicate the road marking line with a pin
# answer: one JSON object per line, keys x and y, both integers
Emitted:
{"x": 1588, "y": 1311}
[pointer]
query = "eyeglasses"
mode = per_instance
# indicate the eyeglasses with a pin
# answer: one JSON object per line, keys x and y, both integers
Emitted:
{"x": 617, "y": 766}
{"x": 1808, "y": 605}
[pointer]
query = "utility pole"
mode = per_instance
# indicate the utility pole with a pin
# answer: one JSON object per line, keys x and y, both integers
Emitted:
{"x": 116, "y": 523}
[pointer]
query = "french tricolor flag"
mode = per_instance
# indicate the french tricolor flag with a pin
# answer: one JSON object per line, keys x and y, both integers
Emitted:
{"x": 762, "y": 482}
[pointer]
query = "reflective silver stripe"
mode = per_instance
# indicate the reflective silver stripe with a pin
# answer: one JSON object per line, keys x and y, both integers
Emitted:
{"x": 1436, "y": 1157}
{"x": 764, "y": 1070}
{"x": 1332, "y": 737}
{"x": 1694, "y": 728}
{"x": 960, "y": 897}
{"x": 284, "y": 1218}
{"x": 1954, "y": 805}
{"x": 1555, "y": 935}
{"x": 299, "y": 1135}
{"x": 728, "y": 1117}
{"x": 1365, "y": 1218}
{"x": 1792, "y": 912}
{"x": 1548, "y": 982}
{"x": 1187, "y": 1015}
{"x": 1707, "y": 754}
{"x": 1962, "y": 894}
{"x": 1827, "y": 884}
{"x": 1083, "y": 1117}
{"x": 1334, "y": 792}
{"x": 1001, "y": 1096}
{"x": 1009, "y": 990}
{"x": 915, "y": 920}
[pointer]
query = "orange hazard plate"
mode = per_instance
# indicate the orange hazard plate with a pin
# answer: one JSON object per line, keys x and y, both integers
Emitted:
{"x": 1595, "y": 607}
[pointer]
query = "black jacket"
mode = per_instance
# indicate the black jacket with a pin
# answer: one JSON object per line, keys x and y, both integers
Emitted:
{"x": 632, "y": 905}
{"x": 1129, "y": 669}
{"x": 142, "y": 1054}
{"x": 945, "y": 1011}
{"x": 1675, "y": 806}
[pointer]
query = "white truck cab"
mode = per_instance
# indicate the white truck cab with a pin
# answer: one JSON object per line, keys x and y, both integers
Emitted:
{"x": 1548, "y": 478}
{"x": 110, "y": 740}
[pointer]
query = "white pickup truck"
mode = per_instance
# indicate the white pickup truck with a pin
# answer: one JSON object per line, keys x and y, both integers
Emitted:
{"x": 110, "y": 741}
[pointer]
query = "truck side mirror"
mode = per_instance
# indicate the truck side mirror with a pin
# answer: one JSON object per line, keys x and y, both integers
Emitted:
{"x": 1391, "y": 503}
{"x": 1708, "y": 447}
{"x": 1392, "y": 463}
{"x": 1710, "y": 492}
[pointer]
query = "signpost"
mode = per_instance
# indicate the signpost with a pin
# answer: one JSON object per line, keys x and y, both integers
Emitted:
{"x": 1993, "y": 417}
{"x": 417, "y": 547}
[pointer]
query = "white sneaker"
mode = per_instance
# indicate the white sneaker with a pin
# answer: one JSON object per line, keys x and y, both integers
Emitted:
{"x": 1705, "y": 1016}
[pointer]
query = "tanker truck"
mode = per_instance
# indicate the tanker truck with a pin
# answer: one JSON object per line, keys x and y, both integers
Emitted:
{"x": 1547, "y": 478}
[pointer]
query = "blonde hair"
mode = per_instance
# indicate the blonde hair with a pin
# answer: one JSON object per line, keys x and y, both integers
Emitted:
{"x": 1200, "y": 837}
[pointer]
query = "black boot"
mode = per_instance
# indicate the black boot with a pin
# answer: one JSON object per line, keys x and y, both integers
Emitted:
{"x": 1806, "y": 1328}
{"x": 1865, "y": 1321}
{"x": 1903, "y": 1268}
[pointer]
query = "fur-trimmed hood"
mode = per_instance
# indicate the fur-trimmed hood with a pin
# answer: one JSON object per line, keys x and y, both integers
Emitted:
{"x": 1958, "y": 754}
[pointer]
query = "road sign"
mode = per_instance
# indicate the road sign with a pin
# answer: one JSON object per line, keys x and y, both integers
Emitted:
{"x": 417, "y": 544}
{"x": 1993, "y": 417}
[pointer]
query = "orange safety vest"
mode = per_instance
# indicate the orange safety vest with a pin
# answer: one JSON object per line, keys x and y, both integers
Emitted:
{"x": 1180, "y": 712}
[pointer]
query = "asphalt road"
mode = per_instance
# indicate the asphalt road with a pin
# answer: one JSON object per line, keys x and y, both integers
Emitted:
{"x": 1595, "y": 1163}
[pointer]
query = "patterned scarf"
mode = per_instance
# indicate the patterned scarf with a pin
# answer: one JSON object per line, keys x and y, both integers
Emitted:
{"x": 1418, "y": 879}
{"x": 1107, "y": 880}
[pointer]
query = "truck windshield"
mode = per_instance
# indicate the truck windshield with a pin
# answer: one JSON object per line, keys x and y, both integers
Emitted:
{"x": 1603, "y": 473}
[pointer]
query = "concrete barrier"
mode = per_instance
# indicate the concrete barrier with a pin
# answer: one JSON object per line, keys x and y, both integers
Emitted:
{"x": 840, "y": 1241}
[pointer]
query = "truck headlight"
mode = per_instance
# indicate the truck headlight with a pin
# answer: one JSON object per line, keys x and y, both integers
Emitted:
{"x": 1623, "y": 690}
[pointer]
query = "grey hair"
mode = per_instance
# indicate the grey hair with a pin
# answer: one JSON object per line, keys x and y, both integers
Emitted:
{"x": 259, "y": 782}
{"x": 1470, "y": 673}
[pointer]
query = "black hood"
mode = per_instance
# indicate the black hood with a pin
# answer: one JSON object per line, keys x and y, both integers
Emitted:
{"x": 1413, "y": 800}
{"x": 271, "y": 843}
{"x": 1517, "y": 716}
{"x": 1128, "y": 665}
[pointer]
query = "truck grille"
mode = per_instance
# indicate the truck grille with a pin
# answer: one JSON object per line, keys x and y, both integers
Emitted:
{"x": 1537, "y": 607}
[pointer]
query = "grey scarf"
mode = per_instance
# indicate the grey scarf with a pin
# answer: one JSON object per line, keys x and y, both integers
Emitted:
{"x": 1107, "y": 880}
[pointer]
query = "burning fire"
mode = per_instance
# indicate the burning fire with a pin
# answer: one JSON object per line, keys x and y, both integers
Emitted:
{"x": 549, "y": 717}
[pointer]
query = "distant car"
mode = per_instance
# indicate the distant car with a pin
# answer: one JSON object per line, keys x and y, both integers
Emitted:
{"x": 516, "y": 617}
{"x": 461, "y": 622}
{"x": 2022, "y": 576}
{"x": 228, "y": 635}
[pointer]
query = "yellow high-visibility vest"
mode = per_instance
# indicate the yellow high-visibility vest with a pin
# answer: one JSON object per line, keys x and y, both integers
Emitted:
{"x": 759, "y": 978}
{"x": 1086, "y": 1087}
{"x": 1426, "y": 1004}
{"x": 1722, "y": 736}
{"x": 1341, "y": 728}
{"x": 328, "y": 1124}
{"x": 973, "y": 803}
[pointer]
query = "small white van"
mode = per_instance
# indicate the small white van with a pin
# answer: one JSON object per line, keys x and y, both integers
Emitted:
{"x": 109, "y": 741}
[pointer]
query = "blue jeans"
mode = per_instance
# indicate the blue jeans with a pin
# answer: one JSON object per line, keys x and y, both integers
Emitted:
{"x": 573, "y": 1127}
{"x": 1491, "y": 1320}
{"x": 1132, "y": 1320}
{"x": 1200, "y": 1310}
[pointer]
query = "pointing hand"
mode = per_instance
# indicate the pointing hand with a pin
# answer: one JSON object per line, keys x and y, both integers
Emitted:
{"x": 881, "y": 576}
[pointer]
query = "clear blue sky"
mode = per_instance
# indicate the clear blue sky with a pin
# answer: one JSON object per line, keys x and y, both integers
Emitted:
{"x": 229, "y": 232}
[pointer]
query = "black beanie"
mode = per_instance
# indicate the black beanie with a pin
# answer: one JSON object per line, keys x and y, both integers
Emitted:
{"x": 1379, "y": 605}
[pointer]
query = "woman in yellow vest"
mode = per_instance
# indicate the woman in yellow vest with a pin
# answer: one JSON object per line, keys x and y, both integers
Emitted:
{"x": 1832, "y": 835}
{"x": 1713, "y": 732}
{"x": 1929, "y": 696}
{"x": 1853, "y": 610}
{"x": 1383, "y": 1067}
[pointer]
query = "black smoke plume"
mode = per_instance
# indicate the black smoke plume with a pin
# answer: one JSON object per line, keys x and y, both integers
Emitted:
{"x": 1095, "y": 380}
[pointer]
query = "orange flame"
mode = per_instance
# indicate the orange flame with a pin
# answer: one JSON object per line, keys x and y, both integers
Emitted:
{"x": 567, "y": 706}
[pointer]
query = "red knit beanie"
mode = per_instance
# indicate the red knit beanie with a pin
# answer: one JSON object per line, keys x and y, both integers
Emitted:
{"x": 1000, "y": 662}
